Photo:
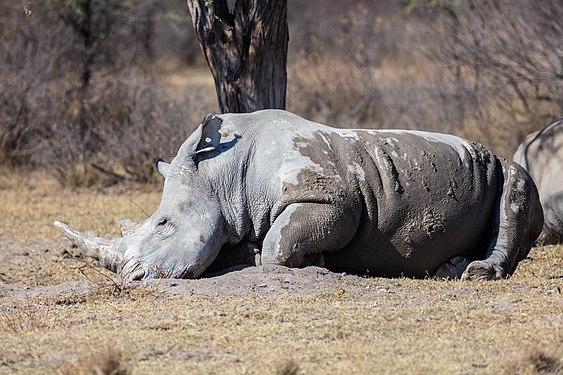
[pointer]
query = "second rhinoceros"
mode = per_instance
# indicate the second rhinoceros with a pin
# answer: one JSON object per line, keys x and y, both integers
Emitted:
{"x": 541, "y": 154}
{"x": 296, "y": 193}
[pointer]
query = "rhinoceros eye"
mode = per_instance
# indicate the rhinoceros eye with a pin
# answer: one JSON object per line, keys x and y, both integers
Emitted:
{"x": 162, "y": 223}
{"x": 164, "y": 226}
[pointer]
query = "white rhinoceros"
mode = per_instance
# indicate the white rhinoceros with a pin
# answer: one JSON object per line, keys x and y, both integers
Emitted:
{"x": 541, "y": 154}
{"x": 377, "y": 202}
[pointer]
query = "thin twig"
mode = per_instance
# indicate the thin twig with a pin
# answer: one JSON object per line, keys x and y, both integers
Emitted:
{"x": 139, "y": 207}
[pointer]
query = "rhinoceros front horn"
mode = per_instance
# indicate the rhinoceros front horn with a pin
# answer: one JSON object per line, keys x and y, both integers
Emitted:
{"x": 102, "y": 249}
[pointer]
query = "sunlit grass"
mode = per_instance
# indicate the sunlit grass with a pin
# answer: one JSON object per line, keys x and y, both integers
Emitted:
{"x": 393, "y": 326}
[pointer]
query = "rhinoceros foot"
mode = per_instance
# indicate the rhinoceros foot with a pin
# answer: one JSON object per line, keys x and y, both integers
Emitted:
{"x": 452, "y": 269}
{"x": 483, "y": 270}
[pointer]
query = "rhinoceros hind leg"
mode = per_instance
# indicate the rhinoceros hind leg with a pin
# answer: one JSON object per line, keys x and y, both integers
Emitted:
{"x": 517, "y": 223}
{"x": 452, "y": 269}
{"x": 303, "y": 231}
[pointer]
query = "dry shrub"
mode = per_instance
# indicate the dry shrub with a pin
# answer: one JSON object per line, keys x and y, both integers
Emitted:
{"x": 502, "y": 63}
{"x": 288, "y": 367}
{"x": 27, "y": 62}
{"x": 131, "y": 125}
{"x": 536, "y": 359}
{"x": 29, "y": 319}
{"x": 336, "y": 84}
{"x": 109, "y": 362}
{"x": 334, "y": 93}
{"x": 491, "y": 72}
{"x": 456, "y": 68}
{"x": 86, "y": 107}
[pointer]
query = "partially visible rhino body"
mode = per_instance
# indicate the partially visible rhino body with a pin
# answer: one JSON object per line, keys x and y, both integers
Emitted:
{"x": 541, "y": 154}
{"x": 278, "y": 189}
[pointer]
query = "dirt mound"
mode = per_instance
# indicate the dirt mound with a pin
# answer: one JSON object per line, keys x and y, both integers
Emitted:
{"x": 49, "y": 269}
{"x": 264, "y": 281}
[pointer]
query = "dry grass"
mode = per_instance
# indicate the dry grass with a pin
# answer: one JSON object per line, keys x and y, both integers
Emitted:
{"x": 30, "y": 204}
{"x": 395, "y": 326}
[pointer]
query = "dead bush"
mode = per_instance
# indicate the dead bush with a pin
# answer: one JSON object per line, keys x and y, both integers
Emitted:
{"x": 27, "y": 64}
{"x": 135, "y": 124}
{"x": 502, "y": 62}
{"x": 335, "y": 93}
{"x": 106, "y": 362}
{"x": 490, "y": 71}
{"x": 86, "y": 107}
{"x": 536, "y": 359}
{"x": 337, "y": 85}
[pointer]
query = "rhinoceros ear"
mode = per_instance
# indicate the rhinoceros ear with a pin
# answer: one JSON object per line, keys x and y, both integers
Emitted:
{"x": 162, "y": 168}
{"x": 204, "y": 139}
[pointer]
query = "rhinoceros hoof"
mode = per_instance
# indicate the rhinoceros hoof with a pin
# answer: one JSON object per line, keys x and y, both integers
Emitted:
{"x": 483, "y": 270}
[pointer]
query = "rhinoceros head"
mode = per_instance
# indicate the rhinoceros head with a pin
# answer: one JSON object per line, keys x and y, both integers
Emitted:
{"x": 182, "y": 238}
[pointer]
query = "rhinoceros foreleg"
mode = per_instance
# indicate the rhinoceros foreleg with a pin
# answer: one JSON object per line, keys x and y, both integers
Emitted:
{"x": 303, "y": 231}
{"x": 552, "y": 232}
{"x": 242, "y": 254}
{"x": 517, "y": 223}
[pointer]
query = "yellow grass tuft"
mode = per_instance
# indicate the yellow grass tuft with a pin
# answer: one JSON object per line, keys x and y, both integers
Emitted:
{"x": 537, "y": 359}
{"x": 288, "y": 367}
{"x": 105, "y": 362}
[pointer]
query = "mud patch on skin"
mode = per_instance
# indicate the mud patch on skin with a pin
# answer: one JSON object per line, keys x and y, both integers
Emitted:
{"x": 433, "y": 223}
{"x": 323, "y": 181}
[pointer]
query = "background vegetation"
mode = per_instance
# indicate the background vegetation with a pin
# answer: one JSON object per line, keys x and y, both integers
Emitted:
{"x": 94, "y": 91}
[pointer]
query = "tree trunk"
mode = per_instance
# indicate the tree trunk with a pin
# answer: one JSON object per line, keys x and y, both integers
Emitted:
{"x": 246, "y": 50}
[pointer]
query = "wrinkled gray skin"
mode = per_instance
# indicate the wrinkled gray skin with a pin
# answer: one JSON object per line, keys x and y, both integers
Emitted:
{"x": 541, "y": 154}
{"x": 274, "y": 188}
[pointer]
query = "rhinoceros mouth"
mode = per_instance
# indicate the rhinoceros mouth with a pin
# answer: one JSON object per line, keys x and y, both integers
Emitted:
{"x": 131, "y": 270}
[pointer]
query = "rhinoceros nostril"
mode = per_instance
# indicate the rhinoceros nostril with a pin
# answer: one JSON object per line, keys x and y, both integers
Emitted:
{"x": 137, "y": 275}
{"x": 130, "y": 270}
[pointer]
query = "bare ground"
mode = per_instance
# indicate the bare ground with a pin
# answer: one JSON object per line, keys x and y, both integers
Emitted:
{"x": 63, "y": 314}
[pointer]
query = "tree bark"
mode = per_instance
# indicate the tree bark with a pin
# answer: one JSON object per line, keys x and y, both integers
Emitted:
{"x": 246, "y": 50}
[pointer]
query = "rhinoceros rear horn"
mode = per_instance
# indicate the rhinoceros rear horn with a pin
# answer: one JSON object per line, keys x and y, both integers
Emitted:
{"x": 127, "y": 227}
{"x": 102, "y": 249}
